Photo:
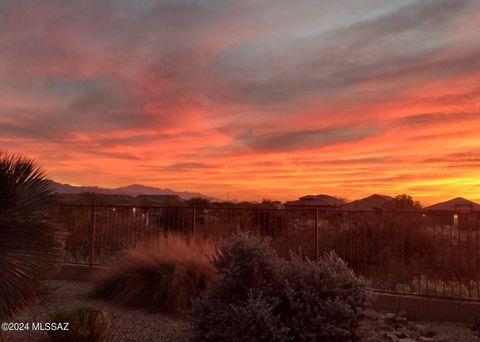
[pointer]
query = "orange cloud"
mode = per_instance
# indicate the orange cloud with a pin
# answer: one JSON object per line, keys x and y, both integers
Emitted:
{"x": 257, "y": 99}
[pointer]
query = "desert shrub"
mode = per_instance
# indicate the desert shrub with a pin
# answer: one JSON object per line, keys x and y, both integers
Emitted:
{"x": 30, "y": 247}
{"x": 245, "y": 262}
{"x": 86, "y": 323}
{"x": 163, "y": 275}
{"x": 262, "y": 297}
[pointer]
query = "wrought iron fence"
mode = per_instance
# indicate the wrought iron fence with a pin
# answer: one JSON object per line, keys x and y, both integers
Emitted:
{"x": 432, "y": 254}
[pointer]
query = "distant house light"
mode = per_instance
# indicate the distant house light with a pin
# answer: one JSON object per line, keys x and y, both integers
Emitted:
{"x": 113, "y": 209}
{"x": 134, "y": 209}
{"x": 455, "y": 220}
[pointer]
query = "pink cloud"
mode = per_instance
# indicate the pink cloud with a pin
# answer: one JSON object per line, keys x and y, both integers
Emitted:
{"x": 256, "y": 99}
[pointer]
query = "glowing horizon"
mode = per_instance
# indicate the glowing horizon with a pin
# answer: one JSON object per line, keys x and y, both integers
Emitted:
{"x": 255, "y": 98}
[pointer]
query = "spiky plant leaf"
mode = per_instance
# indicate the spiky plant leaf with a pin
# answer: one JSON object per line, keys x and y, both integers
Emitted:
{"x": 30, "y": 244}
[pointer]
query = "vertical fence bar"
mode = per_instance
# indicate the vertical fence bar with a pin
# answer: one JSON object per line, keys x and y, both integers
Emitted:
{"x": 317, "y": 252}
{"x": 477, "y": 268}
{"x": 194, "y": 212}
{"x": 92, "y": 234}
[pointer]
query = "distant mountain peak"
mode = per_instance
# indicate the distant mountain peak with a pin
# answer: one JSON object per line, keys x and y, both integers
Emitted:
{"x": 132, "y": 190}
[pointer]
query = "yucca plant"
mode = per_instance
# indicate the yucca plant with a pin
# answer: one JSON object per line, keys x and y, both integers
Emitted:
{"x": 29, "y": 243}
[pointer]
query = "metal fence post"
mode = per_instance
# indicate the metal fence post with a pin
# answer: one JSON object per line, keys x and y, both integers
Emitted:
{"x": 317, "y": 257}
{"x": 92, "y": 234}
{"x": 194, "y": 209}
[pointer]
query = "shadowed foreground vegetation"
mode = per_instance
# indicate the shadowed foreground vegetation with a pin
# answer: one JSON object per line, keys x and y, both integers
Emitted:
{"x": 262, "y": 297}
{"x": 30, "y": 245}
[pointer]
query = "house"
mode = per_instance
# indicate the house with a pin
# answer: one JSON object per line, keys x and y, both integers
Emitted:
{"x": 316, "y": 201}
{"x": 458, "y": 205}
{"x": 458, "y": 212}
{"x": 267, "y": 204}
{"x": 371, "y": 203}
{"x": 62, "y": 198}
{"x": 159, "y": 200}
{"x": 87, "y": 199}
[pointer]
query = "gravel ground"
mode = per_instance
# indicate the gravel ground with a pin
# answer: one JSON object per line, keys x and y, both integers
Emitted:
{"x": 377, "y": 327}
{"x": 134, "y": 325}
{"x": 127, "y": 324}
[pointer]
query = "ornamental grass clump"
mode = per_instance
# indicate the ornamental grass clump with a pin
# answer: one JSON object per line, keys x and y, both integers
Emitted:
{"x": 85, "y": 323}
{"x": 163, "y": 275}
{"x": 262, "y": 297}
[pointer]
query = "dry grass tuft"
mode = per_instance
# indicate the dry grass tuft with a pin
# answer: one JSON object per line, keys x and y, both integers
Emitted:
{"x": 163, "y": 275}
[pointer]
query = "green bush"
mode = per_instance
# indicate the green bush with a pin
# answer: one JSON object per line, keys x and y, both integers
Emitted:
{"x": 86, "y": 323}
{"x": 164, "y": 275}
{"x": 30, "y": 247}
{"x": 261, "y": 297}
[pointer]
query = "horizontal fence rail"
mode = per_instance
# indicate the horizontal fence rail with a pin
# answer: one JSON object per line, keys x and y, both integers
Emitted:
{"x": 430, "y": 254}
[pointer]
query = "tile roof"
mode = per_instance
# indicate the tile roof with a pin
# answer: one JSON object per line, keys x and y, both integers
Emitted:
{"x": 317, "y": 201}
{"x": 373, "y": 202}
{"x": 455, "y": 204}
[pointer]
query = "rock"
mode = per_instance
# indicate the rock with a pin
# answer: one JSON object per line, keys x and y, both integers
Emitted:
{"x": 370, "y": 314}
{"x": 430, "y": 334}
{"x": 401, "y": 320}
{"x": 424, "y": 331}
{"x": 387, "y": 327}
{"x": 421, "y": 329}
{"x": 389, "y": 318}
{"x": 438, "y": 339}
{"x": 411, "y": 326}
{"x": 402, "y": 314}
{"x": 400, "y": 335}
{"x": 391, "y": 337}
{"x": 397, "y": 336}
{"x": 426, "y": 339}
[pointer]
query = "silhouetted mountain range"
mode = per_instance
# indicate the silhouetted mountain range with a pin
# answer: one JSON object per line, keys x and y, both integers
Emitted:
{"x": 131, "y": 190}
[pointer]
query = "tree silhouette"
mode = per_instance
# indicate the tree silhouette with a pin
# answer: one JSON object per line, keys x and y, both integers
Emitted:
{"x": 403, "y": 203}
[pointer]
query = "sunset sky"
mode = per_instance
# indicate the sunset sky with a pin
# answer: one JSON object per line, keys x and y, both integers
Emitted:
{"x": 261, "y": 99}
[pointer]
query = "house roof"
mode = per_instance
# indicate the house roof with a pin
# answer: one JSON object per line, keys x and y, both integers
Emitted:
{"x": 104, "y": 199}
{"x": 316, "y": 201}
{"x": 455, "y": 204}
{"x": 158, "y": 199}
{"x": 373, "y": 202}
{"x": 65, "y": 198}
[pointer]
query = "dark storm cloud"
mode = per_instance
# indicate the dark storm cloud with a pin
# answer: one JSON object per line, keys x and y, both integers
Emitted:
{"x": 297, "y": 140}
